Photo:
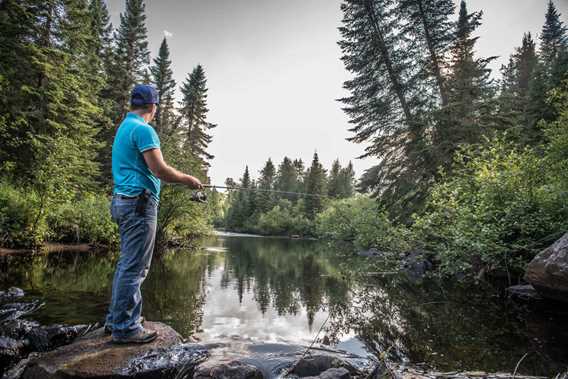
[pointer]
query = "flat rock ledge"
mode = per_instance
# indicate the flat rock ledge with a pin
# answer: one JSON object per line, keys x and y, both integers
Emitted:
{"x": 95, "y": 357}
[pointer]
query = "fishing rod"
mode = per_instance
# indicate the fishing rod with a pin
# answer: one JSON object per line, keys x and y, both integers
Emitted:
{"x": 263, "y": 190}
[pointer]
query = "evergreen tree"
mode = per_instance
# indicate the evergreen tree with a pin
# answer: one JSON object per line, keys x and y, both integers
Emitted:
{"x": 429, "y": 23}
{"x": 131, "y": 56}
{"x": 469, "y": 112}
{"x": 316, "y": 187}
{"x": 514, "y": 98}
{"x": 335, "y": 184}
{"x": 347, "y": 176}
{"x": 388, "y": 105}
{"x": 101, "y": 31}
{"x": 162, "y": 78}
{"x": 300, "y": 174}
{"x": 553, "y": 39}
{"x": 287, "y": 178}
{"x": 194, "y": 115}
{"x": 47, "y": 130}
{"x": 265, "y": 201}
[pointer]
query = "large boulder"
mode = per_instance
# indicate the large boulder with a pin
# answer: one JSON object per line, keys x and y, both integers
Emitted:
{"x": 94, "y": 356}
{"x": 548, "y": 271}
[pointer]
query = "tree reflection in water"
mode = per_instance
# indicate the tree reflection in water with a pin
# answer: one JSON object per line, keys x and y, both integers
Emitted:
{"x": 282, "y": 290}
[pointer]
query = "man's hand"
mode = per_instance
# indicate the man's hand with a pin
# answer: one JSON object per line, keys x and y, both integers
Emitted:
{"x": 162, "y": 170}
{"x": 194, "y": 183}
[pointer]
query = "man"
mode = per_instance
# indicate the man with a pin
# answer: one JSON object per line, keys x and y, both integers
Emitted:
{"x": 137, "y": 167}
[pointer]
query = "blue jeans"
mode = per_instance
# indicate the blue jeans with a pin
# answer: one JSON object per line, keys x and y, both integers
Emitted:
{"x": 137, "y": 237}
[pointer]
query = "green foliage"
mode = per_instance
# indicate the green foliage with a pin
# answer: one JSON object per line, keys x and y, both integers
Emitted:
{"x": 285, "y": 218}
{"x": 85, "y": 220}
{"x": 20, "y": 223}
{"x": 361, "y": 220}
{"x": 494, "y": 213}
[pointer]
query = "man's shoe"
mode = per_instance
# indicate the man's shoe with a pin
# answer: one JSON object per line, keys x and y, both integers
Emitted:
{"x": 140, "y": 337}
{"x": 108, "y": 329}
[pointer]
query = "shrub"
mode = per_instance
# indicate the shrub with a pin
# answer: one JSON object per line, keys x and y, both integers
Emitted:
{"x": 86, "y": 220}
{"x": 360, "y": 219}
{"x": 284, "y": 219}
{"x": 494, "y": 210}
{"x": 21, "y": 221}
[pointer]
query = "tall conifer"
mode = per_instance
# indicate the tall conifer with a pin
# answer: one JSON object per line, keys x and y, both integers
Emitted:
{"x": 162, "y": 78}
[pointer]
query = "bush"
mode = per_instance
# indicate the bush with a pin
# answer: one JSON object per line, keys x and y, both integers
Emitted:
{"x": 284, "y": 219}
{"x": 21, "y": 221}
{"x": 496, "y": 211}
{"x": 360, "y": 219}
{"x": 86, "y": 220}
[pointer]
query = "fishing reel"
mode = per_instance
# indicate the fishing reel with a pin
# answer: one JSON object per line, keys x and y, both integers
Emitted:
{"x": 199, "y": 197}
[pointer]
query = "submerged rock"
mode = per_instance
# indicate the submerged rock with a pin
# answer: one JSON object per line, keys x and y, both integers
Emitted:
{"x": 11, "y": 294}
{"x": 233, "y": 369}
{"x": 94, "y": 356}
{"x": 179, "y": 360}
{"x": 548, "y": 271}
{"x": 14, "y": 311}
{"x": 315, "y": 366}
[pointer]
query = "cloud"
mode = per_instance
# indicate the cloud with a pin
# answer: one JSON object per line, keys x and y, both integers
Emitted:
{"x": 168, "y": 34}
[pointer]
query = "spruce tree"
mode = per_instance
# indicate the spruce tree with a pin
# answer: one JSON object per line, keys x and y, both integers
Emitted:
{"x": 514, "y": 98}
{"x": 553, "y": 39}
{"x": 387, "y": 106}
{"x": 316, "y": 187}
{"x": 131, "y": 56}
{"x": 287, "y": 178}
{"x": 429, "y": 23}
{"x": 265, "y": 200}
{"x": 347, "y": 177}
{"x": 469, "y": 112}
{"x": 194, "y": 115}
{"x": 335, "y": 184}
{"x": 162, "y": 78}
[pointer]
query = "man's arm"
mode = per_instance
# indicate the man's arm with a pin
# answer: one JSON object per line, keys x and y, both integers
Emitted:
{"x": 162, "y": 170}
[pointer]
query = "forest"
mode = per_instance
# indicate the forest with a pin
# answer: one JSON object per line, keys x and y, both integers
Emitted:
{"x": 65, "y": 79}
{"x": 470, "y": 164}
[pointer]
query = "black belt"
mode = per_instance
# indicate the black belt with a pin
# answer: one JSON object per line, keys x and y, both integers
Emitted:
{"x": 126, "y": 197}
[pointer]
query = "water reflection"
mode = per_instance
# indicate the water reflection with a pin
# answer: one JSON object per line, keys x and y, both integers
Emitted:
{"x": 277, "y": 290}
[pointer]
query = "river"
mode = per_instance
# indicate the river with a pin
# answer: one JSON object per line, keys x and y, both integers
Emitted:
{"x": 244, "y": 289}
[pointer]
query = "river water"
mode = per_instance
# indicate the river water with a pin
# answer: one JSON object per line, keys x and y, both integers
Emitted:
{"x": 246, "y": 289}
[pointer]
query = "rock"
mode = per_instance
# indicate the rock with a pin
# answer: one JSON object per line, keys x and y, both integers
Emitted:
{"x": 548, "y": 271}
{"x": 178, "y": 359}
{"x": 525, "y": 293}
{"x": 335, "y": 373}
{"x": 233, "y": 370}
{"x": 11, "y": 294}
{"x": 94, "y": 356}
{"x": 10, "y": 352}
{"x": 14, "y": 311}
{"x": 316, "y": 365}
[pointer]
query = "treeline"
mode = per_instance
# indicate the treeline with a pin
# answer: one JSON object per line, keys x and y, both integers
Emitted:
{"x": 65, "y": 79}
{"x": 303, "y": 195}
{"x": 470, "y": 167}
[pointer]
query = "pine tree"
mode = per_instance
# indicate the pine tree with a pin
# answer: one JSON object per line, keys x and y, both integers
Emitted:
{"x": 514, "y": 98}
{"x": 102, "y": 31}
{"x": 287, "y": 178}
{"x": 265, "y": 200}
{"x": 131, "y": 56}
{"x": 162, "y": 78}
{"x": 334, "y": 188}
{"x": 347, "y": 177}
{"x": 429, "y": 23}
{"x": 300, "y": 174}
{"x": 194, "y": 115}
{"x": 316, "y": 187}
{"x": 469, "y": 112}
{"x": 388, "y": 105}
{"x": 553, "y": 39}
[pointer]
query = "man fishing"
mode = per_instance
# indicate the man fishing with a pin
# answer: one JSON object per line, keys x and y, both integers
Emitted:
{"x": 137, "y": 168}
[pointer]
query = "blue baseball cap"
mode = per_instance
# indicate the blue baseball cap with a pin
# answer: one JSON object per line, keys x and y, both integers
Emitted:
{"x": 143, "y": 94}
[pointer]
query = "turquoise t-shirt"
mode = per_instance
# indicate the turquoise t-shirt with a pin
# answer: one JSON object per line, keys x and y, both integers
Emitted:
{"x": 130, "y": 173}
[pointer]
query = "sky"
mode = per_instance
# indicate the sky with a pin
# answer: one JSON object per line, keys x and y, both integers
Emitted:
{"x": 274, "y": 72}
